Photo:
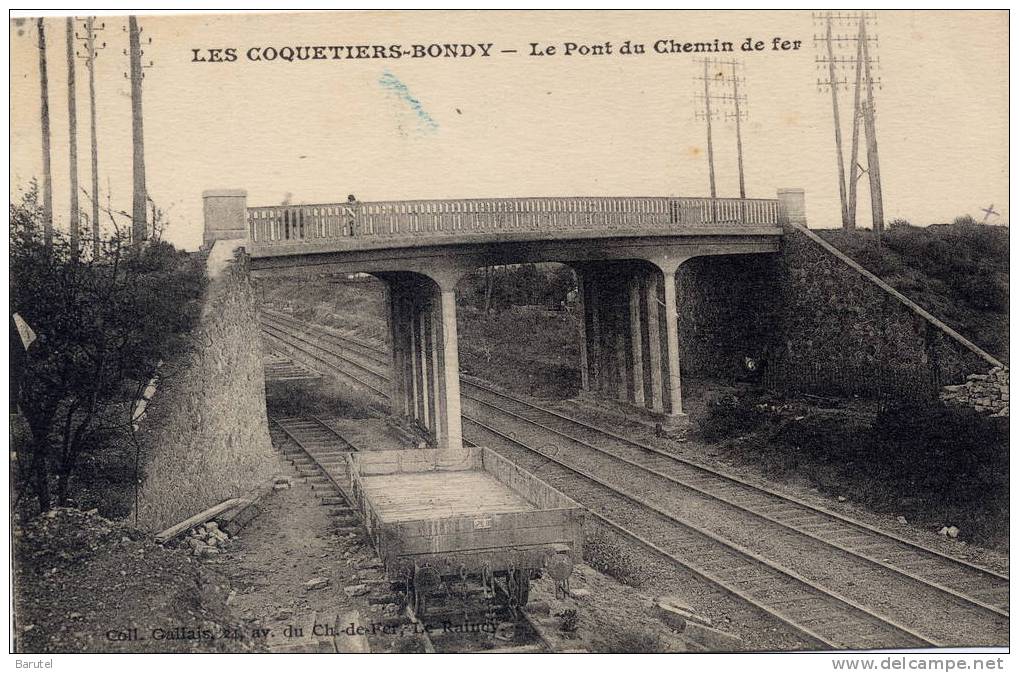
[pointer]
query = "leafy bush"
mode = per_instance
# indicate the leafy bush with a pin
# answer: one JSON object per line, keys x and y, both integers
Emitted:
{"x": 569, "y": 620}
{"x": 938, "y": 464}
{"x": 104, "y": 319}
{"x": 517, "y": 285}
{"x": 952, "y": 451}
{"x": 959, "y": 272}
{"x": 729, "y": 416}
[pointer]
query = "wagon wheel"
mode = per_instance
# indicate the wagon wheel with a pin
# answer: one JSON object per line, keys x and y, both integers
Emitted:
{"x": 426, "y": 579}
{"x": 416, "y": 601}
{"x": 523, "y": 588}
{"x": 518, "y": 588}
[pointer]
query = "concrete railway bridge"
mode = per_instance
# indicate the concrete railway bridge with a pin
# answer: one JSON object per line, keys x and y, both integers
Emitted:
{"x": 625, "y": 251}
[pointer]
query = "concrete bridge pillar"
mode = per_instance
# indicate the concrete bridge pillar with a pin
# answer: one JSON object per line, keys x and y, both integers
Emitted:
{"x": 426, "y": 361}
{"x": 630, "y": 335}
{"x": 226, "y": 215}
{"x": 792, "y": 204}
{"x": 451, "y": 372}
{"x": 673, "y": 383}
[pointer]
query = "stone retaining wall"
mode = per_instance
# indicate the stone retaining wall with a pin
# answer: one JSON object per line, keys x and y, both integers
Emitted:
{"x": 815, "y": 321}
{"x": 987, "y": 393}
{"x": 205, "y": 436}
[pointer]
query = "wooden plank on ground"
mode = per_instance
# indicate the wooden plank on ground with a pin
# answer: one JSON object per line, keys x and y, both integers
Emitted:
{"x": 196, "y": 520}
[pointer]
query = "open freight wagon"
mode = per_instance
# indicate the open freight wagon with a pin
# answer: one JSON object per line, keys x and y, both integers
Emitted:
{"x": 483, "y": 527}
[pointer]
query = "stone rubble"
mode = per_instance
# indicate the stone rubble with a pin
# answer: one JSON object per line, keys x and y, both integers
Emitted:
{"x": 949, "y": 531}
{"x": 316, "y": 583}
{"x": 986, "y": 393}
{"x": 206, "y": 539}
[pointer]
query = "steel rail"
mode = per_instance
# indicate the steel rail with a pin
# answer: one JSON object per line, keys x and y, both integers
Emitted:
{"x": 747, "y": 554}
{"x": 332, "y": 366}
{"x": 743, "y": 508}
{"x": 283, "y": 328}
{"x": 381, "y": 353}
{"x": 741, "y": 482}
{"x": 300, "y": 445}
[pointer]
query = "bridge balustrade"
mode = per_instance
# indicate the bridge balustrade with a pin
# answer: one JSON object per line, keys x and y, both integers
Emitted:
{"x": 287, "y": 224}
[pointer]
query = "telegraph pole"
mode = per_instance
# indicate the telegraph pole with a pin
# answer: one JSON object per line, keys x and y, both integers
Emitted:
{"x": 838, "y": 128}
{"x": 863, "y": 110}
{"x": 711, "y": 148}
{"x": 47, "y": 175}
{"x": 739, "y": 135}
{"x": 72, "y": 122}
{"x": 873, "y": 165}
{"x": 714, "y": 72}
{"x": 90, "y": 59}
{"x": 139, "y": 228}
{"x": 854, "y": 161}
{"x": 707, "y": 118}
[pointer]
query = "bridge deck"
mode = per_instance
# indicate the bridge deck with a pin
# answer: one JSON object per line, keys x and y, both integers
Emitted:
{"x": 354, "y": 244}
{"x": 389, "y": 224}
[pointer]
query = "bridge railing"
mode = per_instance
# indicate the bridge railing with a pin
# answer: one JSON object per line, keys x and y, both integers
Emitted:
{"x": 270, "y": 225}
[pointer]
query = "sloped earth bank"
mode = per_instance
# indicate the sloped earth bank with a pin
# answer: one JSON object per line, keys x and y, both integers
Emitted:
{"x": 85, "y": 584}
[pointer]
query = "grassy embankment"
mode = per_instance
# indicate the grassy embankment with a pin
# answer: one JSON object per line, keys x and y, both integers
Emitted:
{"x": 937, "y": 466}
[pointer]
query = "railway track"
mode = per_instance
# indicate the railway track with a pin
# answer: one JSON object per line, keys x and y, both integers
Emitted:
{"x": 980, "y": 587}
{"x": 373, "y": 378}
{"x": 585, "y": 452}
{"x": 279, "y": 367}
{"x": 317, "y": 438}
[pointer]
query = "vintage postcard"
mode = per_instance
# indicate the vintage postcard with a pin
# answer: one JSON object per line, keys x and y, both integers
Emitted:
{"x": 453, "y": 332}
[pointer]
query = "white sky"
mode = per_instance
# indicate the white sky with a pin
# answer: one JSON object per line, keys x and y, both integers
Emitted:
{"x": 515, "y": 125}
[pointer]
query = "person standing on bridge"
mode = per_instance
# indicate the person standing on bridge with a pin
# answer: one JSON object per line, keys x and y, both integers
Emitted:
{"x": 350, "y": 210}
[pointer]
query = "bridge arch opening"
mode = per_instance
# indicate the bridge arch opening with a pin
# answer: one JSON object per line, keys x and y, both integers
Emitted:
{"x": 602, "y": 325}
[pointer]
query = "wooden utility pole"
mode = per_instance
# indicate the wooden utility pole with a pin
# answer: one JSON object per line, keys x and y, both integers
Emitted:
{"x": 838, "y": 127}
{"x": 863, "y": 111}
{"x": 72, "y": 123}
{"x": 47, "y": 175}
{"x": 739, "y": 135}
{"x": 854, "y": 161}
{"x": 139, "y": 228}
{"x": 711, "y": 148}
{"x": 91, "y": 56}
{"x": 873, "y": 165}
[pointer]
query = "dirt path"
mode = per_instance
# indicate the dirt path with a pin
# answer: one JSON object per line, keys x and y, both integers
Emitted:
{"x": 270, "y": 563}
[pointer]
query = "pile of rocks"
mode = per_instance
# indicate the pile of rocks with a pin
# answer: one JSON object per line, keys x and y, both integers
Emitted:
{"x": 205, "y": 540}
{"x": 987, "y": 393}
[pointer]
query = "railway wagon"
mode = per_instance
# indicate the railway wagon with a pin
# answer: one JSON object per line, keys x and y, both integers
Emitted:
{"x": 483, "y": 521}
